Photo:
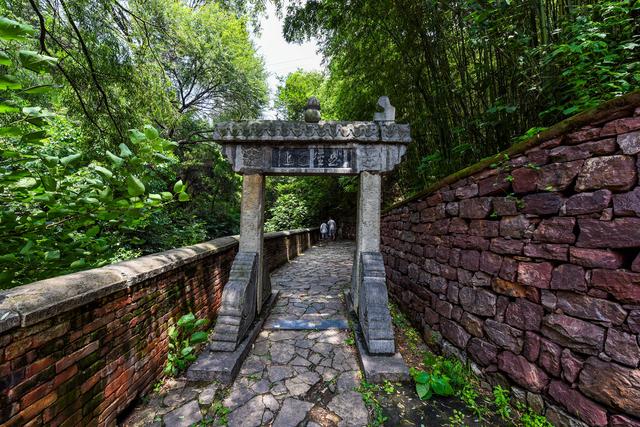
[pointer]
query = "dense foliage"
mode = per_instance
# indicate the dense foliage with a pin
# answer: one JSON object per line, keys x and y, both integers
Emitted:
{"x": 78, "y": 188}
{"x": 470, "y": 75}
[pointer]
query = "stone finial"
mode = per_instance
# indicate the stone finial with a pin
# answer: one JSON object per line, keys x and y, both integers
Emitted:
{"x": 312, "y": 110}
{"x": 389, "y": 113}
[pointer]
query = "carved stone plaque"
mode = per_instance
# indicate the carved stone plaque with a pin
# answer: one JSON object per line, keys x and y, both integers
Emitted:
{"x": 311, "y": 157}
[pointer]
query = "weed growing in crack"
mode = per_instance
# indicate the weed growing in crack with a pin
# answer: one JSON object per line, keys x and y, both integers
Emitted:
{"x": 368, "y": 392}
{"x": 502, "y": 402}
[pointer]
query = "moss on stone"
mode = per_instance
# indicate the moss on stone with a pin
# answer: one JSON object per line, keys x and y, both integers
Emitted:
{"x": 595, "y": 115}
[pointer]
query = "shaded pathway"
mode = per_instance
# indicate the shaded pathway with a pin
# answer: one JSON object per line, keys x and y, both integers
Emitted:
{"x": 303, "y": 374}
{"x": 302, "y": 369}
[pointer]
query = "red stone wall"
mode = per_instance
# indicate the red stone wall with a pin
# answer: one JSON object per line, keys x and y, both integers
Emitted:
{"x": 89, "y": 343}
{"x": 531, "y": 269}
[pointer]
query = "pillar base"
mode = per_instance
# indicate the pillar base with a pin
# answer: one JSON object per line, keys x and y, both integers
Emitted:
{"x": 238, "y": 306}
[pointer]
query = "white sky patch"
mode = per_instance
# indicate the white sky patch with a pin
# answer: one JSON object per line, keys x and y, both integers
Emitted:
{"x": 280, "y": 57}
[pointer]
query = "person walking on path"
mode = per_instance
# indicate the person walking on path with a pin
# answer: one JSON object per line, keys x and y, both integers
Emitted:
{"x": 332, "y": 229}
{"x": 324, "y": 229}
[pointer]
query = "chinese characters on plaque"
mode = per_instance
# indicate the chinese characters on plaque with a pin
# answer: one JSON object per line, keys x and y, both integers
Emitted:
{"x": 311, "y": 157}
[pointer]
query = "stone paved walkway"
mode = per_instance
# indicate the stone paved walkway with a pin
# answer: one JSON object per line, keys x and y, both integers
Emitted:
{"x": 302, "y": 369}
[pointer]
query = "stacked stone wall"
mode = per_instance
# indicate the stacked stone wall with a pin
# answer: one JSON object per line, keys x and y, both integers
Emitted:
{"x": 78, "y": 349}
{"x": 530, "y": 269}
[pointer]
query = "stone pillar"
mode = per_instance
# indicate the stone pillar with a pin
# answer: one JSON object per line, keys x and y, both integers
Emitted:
{"x": 252, "y": 225}
{"x": 368, "y": 228}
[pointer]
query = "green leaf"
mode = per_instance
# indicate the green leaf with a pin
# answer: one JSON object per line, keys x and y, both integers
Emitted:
{"x": 50, "y": 161}
{"x": 35, "y": 61}
{"x": 186, "y": 319}
{"x": 27, "y": 182}
{"x": 173, "y": 332}
{"x": 423, "y": 391}
{"x": 421, "y": 377}
{"x": 441, "y": 386}
{"x": 9, "y": 82}
{"x": 135, "y": 187}
{"x": 166, "y": 195}
{"x": 183, "y": 197}
{"x": 118, "y": 161}
{"x": 151, "y": 132}
{"x": 124, "y": 151}
{"x": 186, "y": 351}
{"x": 78, "y": 263}
{"x": 36, "y": 90}
{"x": 10, "y": 131}
{"x": 155, "y": 197}
{"x": 26, "y": 248}
{"x": 49, "y": 183}
{"x": 201, "y": 323}
{"x": 178, "y": 187}
{"x": 67, "y": 160}
{"x": 6, "y": 108}
{"x": 52, "y": 255}
{"x": 14, "y": 30}
{"x": 103, "y": 171}
{"x": 198, "y": 337}
{"x": 93, "y": 231}
{"x": 136, "y": 137}
{"x": 4, "y": 58}
{"x": 34, "y": 136}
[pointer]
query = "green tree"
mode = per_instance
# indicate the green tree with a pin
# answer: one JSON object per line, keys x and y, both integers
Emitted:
{"x": 294, "y": 91}
{"x": 63, "y": 210}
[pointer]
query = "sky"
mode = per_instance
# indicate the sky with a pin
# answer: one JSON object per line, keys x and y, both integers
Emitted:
{"x": 281, "y": 57}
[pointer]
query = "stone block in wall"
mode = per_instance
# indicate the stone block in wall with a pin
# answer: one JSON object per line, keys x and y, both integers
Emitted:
{"x": 484, "y": 228}
{"x": 611, "y": 384}
{"x": 503, "y": 206}
{"x": 555, "y": 230}
{"x": 542, "y": 203}
{"x": 587, "y": 203}
{"x": 571, "y": 366}
{"x": 635, "y": 265}
{"x": 494, "y": 185}
{"x": 619, "y": 233}
{"x": 629, "y": 143}
{"x": 525, "y": 180}
{"x": 454, "y": 333}
{"x": 569, "y": 277}
{"x": 477, "y": 208}
{"x": 478, "y": 301}
{"x": 622, "y": 421}
{"x": 515, "y": 227}
{"x": 467, "y": 191}
{"x": 474, "y": 325}
{"x": 524, "y": 314}
{"x": 622, "y": 347}
{"x": 482, "y": 351}
{"x": 522, "y": 372}
{"x": 576, "y": 334}
{"x": 504, "y": 336}
{"x": 558, "y": 176}
{"x": 506, "y": 246}
{"x": 627, "y": 204}
{"x": 584, "y": 134}
{"x": 623, "y": 285}
{"x": 590, "y": 308}
{"x": 531, "y": 348}
{"x": 506, "y": 287}
{"x": 616, "y": 173}
{"x": 595, "y": 258}
{"x": 577, "y": 404}
{"x": 549, "y": 358}
{"x": 620, "y": 126}
{"x": 537, "y": 274}
{"x": 551, "y": 251}
{"x": 490, "y": 263}
{"x": 509, "y": 269}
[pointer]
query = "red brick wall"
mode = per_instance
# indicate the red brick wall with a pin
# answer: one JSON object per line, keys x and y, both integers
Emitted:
{"x": 531, "y": 269}
{"x": 91, "y": 342}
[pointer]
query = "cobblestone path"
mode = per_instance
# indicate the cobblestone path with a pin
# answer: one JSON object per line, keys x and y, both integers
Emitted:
{"x": 302, "y": 369}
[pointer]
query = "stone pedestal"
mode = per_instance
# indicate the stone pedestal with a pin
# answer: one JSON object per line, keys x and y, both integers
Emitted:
{"x": 247, "y": 288}
{"x": 368, "y": 227}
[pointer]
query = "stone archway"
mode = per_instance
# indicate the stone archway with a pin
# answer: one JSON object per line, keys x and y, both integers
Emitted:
{"x": 256, "y": 149}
